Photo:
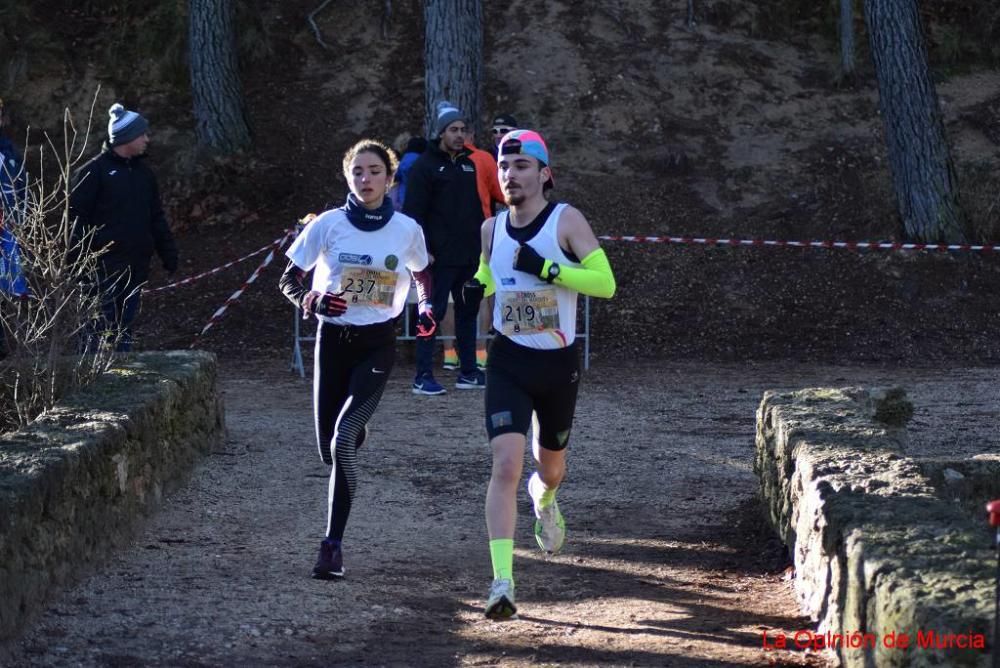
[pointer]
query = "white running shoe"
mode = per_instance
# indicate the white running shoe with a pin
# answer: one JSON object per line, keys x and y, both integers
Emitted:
{"x": 550, "y": 527}
{"x": 500, "y": 602}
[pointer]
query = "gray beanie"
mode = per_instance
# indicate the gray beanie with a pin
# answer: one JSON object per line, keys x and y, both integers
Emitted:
{"x": 125, "y": 125}
{"x": 446, "y": 114}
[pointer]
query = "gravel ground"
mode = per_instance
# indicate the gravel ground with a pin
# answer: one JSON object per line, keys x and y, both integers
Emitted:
{"x": 667, "y": 561}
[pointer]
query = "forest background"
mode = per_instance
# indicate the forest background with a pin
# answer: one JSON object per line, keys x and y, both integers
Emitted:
{"x": 718, "y": 119}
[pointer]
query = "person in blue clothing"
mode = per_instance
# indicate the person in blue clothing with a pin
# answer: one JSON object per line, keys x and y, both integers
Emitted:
{"x": 13, "y": 188}
{"x": 414, "y": 148}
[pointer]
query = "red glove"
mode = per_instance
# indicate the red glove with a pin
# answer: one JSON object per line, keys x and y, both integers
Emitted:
{"x": 327, "y": 304}
{"x": 426, "y": 325}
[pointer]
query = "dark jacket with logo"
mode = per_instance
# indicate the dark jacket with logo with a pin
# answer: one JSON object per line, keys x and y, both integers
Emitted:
{"x": 119, "y": 198}
{"x": 442, "y": 196}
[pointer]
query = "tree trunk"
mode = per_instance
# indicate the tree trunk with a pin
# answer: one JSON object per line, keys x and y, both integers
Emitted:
{"x": 219, "y": 108}
{"x": 453, "y": 57}
{"x": 923, "y": 173}
{"x": 847, "y": 38}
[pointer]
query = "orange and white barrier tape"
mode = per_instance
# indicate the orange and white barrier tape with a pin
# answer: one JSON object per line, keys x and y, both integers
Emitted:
{"x": 275, "y": 247}
{"x": 849, "y": 245}
{"x": 227, "y": 265}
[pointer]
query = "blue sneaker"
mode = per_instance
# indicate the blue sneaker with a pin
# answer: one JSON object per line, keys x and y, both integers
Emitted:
{"x": 471, "y": 381}
{"x": 427, "y": 385}
{"x": 330, "y": 565}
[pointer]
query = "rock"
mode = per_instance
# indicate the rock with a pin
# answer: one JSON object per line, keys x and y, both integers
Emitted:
{"x": 892, "y": 407}
{"x": 952, "y": 476}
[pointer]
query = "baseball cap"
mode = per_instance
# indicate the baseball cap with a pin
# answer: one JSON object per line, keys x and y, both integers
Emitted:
{"x": 504, "y": 121}
{"x": 526, "y": 142}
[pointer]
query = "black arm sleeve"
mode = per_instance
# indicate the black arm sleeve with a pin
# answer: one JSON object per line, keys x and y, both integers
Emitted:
{"x": 293, "y": 284}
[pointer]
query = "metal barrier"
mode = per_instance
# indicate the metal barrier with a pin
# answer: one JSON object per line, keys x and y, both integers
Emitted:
{"x": 298, "y": 339}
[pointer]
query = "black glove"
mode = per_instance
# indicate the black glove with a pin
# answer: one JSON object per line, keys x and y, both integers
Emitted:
{"x": 426, "y": 325}
{"x": 528, "y": 260}
{"x": 327, "y": 304}
{"x": 473, "y": 292}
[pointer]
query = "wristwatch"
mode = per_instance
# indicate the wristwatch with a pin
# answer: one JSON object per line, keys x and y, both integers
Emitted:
{"x": 553, "y": 272}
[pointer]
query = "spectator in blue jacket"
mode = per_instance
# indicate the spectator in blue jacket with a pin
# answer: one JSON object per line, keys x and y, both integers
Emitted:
{"x": 414, "y": 148}
{"x": 13, "y": 182}
{"x": 116, "y": 196}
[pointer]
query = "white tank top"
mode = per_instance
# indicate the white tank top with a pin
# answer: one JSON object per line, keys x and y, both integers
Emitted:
{"x": 528, "y": 310}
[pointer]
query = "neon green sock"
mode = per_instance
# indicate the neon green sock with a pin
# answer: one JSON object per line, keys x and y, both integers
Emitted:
{"x": 502, "y": 555}
{"x": 547, "y": 497}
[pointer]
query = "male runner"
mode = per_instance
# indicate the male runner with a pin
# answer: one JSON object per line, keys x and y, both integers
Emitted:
{"x": 537, "y": 257}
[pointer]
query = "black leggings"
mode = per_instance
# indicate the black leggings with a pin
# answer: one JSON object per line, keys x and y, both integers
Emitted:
{"x": 351, "y": 369}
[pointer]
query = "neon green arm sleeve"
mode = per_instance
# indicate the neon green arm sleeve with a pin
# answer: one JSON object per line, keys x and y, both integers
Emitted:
{"x": 594, "y": 278}
{"x": 485, "y": 276}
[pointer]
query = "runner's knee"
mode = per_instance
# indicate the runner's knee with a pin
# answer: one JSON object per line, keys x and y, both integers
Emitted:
{"x": 508, "y": 458}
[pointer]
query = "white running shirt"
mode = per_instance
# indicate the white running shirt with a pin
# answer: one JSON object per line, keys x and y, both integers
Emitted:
{"x": 369, "y": 268}
{"x": 527, "y": 309}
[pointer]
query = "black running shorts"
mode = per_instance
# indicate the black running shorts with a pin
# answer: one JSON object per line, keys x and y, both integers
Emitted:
{"x": 520, "y": 380}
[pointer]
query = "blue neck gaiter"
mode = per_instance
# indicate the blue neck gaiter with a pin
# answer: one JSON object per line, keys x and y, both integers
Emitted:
{"x": 367, "y": 220}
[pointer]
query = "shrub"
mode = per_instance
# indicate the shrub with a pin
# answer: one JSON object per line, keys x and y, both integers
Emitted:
{"x": 46, "y": 326}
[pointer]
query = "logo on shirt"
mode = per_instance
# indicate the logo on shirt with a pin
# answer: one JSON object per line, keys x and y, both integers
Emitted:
{"x": 354, "y": 258}
{"x": 112, "y": 172}
{"x": 468, "y": 168}
{"x": 391, "y": 262}
{"x": 508, "y": 281}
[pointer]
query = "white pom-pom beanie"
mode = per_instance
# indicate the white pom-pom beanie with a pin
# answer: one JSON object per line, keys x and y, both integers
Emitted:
{"x": 447, "y": 113}
{"x": 125, "y": 125}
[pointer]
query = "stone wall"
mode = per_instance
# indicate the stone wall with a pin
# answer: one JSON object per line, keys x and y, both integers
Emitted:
{"x": 876, "y": 549}
{"x": 76, "y": 482}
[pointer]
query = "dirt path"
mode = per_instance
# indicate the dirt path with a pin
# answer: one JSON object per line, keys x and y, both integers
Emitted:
{"x": 666, "y": 563}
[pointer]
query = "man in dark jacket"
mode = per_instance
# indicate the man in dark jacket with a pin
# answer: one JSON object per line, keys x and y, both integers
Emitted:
{"x": 442, "y": 196}
{"x": 116, "y": 196}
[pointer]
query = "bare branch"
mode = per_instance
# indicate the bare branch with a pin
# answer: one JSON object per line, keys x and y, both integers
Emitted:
{"x": 90, "y": 120}
{"x": 386, "y": 18}
{"x": 315, "y": 28}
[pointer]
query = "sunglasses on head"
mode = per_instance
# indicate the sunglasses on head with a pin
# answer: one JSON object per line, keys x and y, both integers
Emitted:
{"x": 501, "y": 131}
